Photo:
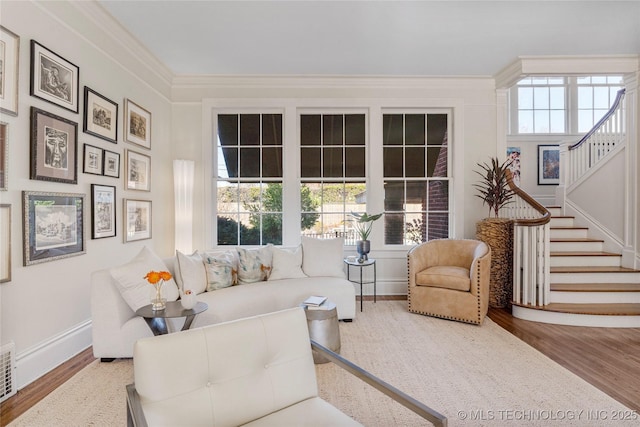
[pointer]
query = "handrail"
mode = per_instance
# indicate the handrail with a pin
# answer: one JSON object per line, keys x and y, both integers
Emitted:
{"x": 404, "y": 399}
{"x": 609, "y": 113}
{"x": 528, "y": 222}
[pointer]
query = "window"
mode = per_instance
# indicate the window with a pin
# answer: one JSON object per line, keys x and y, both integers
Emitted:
{"x": 595, "y": 96}
{"x": 416, "y": 177}
{"x": 561, "y": 105}
{"x": 249, "y": 184}
{"x": 541, "y": 105}
{"x": 332, "y": 171}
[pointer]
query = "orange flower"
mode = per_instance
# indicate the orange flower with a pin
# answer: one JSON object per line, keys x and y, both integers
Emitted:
{"x": 154, "y": 277}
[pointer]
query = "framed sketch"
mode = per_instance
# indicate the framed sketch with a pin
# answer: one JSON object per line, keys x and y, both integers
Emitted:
{"x": 111, "y": 164}
{"x": 100, "y": 116}
{"x": 137, "y": 124}
{"x": 9, "y": 60}
{"x": 103, "y": 211}
{"x": 4, "y": 156}
{"x": 137, "y": 220}
{"x": 53, "y": 226}
{"x": 138, "y": 171}
{"x": 54, "y": 146}
{"x": 5, "y": 243}
{"x": 548, "y": 164}
{"x": 53, "y": 78}
{"x": 92, "y": 160}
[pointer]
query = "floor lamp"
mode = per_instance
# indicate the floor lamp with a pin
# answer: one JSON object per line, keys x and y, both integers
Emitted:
{"x": 183, "y": 193}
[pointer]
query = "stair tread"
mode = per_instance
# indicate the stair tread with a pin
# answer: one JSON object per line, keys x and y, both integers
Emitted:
{"x": 583, "y": 253}
{"x": 567, "y": 227}
{"x": 574, "y": 239}
{"x": 596, "y": 269}
{"x": 595, "y": 287}
{"x": 624, "y": 309}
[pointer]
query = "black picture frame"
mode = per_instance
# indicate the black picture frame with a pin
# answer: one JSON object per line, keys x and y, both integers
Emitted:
{"x": 54, "y": 147}
{"x": 100, "y": 116}
{"x": 53, "y": 78}
{"x": 93, "y": 160}
{"x": 111, "y": 164}
{"x": 103, "y": 211}
{"x": 548, "y": 164}
{"x": 53, "y": 225}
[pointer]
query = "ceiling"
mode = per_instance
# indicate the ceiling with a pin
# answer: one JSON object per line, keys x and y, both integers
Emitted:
{"x": 408, "y": 38}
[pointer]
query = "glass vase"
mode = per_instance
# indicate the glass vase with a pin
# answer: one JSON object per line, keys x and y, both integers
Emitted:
{"x": 158, "y": 303}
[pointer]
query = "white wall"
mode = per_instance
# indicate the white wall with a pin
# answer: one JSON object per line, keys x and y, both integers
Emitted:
{"x": 45, "y": 308}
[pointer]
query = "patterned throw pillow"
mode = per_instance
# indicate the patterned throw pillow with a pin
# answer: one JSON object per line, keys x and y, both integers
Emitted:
{"x": 222, "y": 270}
{"x": 255, "y": 264}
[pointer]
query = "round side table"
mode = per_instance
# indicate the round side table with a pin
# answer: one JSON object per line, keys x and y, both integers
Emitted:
{"x": 323, "y": 327}
{"x": 157, "y": 319}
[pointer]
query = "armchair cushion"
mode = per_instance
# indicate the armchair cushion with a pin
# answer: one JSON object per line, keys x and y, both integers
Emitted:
{"x": 445, "y": 276}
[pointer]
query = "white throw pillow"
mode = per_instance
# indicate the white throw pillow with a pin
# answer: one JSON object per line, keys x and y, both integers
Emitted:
{"x": 322, "y": 257}
{"x": 190, "y": 272}
{"x": 134, "y": 288}
{"x": 255, "y": 264}
{"x": 287, "y": 264}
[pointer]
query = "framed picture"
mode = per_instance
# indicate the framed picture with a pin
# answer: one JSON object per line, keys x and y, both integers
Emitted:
{"x": 137, "y": 214}
{"x": 111, "y": 164}
{"x": 92, "y": 160}
{"x": 100, "y": 116}
{"x": 5, "y": 243}
{"x": 103, "y": 211}
{"x": 53, "y": 78}
{"x": 54, "y": 146}
{"x": 548, "y": 164}
{"x": 9, "y": 60}
{"x": 513, "y": 154}
{"x": 138, "y": 171}
{"x": 53, "y": 226}
{"x": 4, "y": 156}
{"x": 137, "y": 126}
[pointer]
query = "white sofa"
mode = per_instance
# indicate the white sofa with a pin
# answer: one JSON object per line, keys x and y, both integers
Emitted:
{"x": 116, "y": 328}
{"x": 217, "y": 382}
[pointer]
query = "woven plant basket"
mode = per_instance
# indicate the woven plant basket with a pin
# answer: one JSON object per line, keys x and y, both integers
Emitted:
{"x": 498, "y": 234}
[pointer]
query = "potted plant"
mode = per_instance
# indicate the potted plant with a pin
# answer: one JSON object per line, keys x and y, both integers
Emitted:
{"x": 497, "y": 232}
{"x": 362, "y": 223}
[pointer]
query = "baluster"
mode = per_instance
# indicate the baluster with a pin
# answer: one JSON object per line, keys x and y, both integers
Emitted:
{"x": 517, "y": 264}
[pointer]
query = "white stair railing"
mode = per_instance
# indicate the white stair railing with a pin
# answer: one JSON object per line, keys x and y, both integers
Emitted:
{"x": 606, "y": 135}
{"x": 531, "y": 248}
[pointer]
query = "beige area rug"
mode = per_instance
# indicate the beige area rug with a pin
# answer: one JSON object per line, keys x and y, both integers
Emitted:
{"x": 476, "y": 376}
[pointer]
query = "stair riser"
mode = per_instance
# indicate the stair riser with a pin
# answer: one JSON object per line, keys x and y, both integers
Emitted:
{"x": 569, "y": 233}
{"x": 585, "y": 261}
{"x": 576, "y": 246}
{"x": 561, "y": 222}
{"x": 595, "y": 297}
{"x": 576, "y": 319}
{"x": 595, "y": 277}
{"x": 555, "y": 211}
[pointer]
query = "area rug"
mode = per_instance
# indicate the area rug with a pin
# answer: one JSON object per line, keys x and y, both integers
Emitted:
{"x": 475, "y": 376}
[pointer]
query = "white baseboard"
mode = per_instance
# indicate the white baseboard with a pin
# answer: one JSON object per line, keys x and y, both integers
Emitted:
{"x": 33, "y": 363}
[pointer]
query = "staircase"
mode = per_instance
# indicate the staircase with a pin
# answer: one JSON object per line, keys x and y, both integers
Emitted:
{"x": 588, "y": 287}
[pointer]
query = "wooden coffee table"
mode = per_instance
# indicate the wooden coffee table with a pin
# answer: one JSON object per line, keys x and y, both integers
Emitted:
{"x": 157, "y": 319}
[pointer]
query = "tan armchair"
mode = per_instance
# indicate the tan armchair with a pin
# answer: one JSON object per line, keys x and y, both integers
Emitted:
{"x": 450, "y": 279}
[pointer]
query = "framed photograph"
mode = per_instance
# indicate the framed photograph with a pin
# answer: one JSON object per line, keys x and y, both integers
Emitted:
{"x": 103, "y": 211}
{"x": 9, "y": 60}
{"x": 54, "y": 146}
{"x": 111, "y": 164}
{"x": 92, "y": 160}
{"x": 138, "y": 171}
{"x": 5, "y": 243}
{"x": 100, "y": 116}
{"x": 137, "y": 126}
{"x": 548, "y": 164}
{"x": 53, "y": 78}
{"x": 137, "y": 220}
{"x": 53, "y": 226}
{"x": 4, "y": 156}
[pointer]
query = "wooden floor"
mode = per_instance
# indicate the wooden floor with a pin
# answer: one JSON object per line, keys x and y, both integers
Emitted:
{"x": 608, "y": 358}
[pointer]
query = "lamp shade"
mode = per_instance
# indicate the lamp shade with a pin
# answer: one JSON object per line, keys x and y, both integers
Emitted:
{"x": 183, "y": 171}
